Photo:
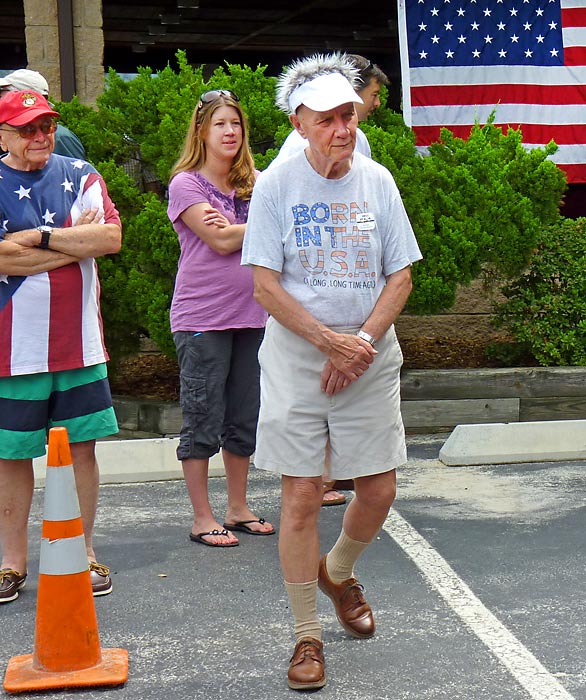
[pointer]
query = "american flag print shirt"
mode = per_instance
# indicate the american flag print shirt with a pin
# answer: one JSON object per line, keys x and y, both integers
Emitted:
{"x": 51, "y": 321}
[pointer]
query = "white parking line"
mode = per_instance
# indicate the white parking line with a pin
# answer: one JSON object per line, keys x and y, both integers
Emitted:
{"x": 508, "y": 650}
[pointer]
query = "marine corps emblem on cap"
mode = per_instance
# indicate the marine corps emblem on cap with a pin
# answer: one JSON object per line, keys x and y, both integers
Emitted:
{"x": 28, "y": 99}
{"x": 20, "y": 107}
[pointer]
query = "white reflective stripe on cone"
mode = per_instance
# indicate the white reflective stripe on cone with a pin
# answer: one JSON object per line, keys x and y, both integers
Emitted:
{"x": 64, "y": 556}
{"x": 61, "y": 502}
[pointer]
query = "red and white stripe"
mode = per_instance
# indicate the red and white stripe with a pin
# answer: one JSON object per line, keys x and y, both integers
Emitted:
{"x": 53, "y": 323}
{"x": 53, "y": 320}
{"x": 545, "y": 102}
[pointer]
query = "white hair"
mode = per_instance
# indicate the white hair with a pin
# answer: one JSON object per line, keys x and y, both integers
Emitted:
{"x": 303, "y": 70}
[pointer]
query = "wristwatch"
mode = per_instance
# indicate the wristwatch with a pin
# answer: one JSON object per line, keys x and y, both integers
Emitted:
{"x": 366, "y": 336}
{"x": 46, "y": 232}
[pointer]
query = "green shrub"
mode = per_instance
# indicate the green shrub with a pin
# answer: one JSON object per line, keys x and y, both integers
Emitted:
{"x": 474, "y": 205}
{"x": 121, "y": 328}
{"x": 152, "y": 276}
{"x": 545, "y": 308}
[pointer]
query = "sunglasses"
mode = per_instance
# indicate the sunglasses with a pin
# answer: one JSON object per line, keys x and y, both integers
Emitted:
{"x": 29, "y": 131}
{"x": 213, "y": 95}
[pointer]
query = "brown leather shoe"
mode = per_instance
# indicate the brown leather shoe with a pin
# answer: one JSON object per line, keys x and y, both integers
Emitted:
{"x": 100, "y": 579}
{"x": 352, "y": 610}
{"x": 307, "y": 667}
{"x": 10, "y": 583}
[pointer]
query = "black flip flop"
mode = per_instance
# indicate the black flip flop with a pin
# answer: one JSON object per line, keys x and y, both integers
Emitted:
{"x": 242, "y": 526}
{"x": 200, "y": 538}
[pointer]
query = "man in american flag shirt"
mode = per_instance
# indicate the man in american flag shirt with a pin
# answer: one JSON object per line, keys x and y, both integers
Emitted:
{"x": 55, "y": 218}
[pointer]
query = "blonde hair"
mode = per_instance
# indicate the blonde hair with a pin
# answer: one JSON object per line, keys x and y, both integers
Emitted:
{"x": 193, "y": 154}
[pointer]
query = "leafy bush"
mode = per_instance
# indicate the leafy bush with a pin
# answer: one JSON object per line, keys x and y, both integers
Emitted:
{"x": 120, "y": 325}
{"x": 152, "y": 275}
{"x": 545, "y": 308}
{"x": 475, "y": 205}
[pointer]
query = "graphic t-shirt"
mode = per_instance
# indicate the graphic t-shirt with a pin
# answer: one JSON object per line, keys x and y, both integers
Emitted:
{"x": 212, "y": 291}
{"x": 51, "y": 321}
{"x": 333, "y": 241}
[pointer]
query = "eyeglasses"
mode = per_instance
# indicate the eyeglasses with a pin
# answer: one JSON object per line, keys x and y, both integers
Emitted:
{"x": 29, "y": 131}
{"x": 213, "y": 95}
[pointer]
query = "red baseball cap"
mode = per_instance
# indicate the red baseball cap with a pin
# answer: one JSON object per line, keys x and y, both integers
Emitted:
{"x": 20, "y": 107}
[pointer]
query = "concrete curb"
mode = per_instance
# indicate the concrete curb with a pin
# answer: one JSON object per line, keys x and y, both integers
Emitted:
{"x": 154, "y": 459}
{"x": 124, "y": 461}
{"x": 507, "y": 443}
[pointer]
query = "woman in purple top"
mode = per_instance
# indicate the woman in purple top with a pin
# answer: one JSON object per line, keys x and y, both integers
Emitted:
{"x": 216, "y": 323}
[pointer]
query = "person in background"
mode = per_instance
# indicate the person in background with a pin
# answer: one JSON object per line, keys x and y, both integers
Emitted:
{"x": 66, "y": 142}
{"x": 217, "y": 325}
{"x": 331, "y": 249}
{"x": 369, "y": 82}
{"x": 142, "y": 174}
{"x": 56, "y": 217}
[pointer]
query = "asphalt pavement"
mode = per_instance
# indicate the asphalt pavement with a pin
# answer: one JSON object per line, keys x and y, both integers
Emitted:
{"x": 476, "y": 581}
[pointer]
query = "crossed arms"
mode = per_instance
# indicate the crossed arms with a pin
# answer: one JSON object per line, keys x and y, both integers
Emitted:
{"x": 85, "y": 239}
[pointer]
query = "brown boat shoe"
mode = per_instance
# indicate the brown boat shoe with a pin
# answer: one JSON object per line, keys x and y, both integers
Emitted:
{"x": 100, "y": 579}
{"x": 307, "y": 667}
{"x": 10, "y": 583}
{"x": 352, "y": 610}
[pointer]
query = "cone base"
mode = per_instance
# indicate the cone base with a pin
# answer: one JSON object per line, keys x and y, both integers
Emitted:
{"x": 21, "y": 676}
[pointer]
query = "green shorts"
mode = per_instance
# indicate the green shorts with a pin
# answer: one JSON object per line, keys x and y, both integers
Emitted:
{"x": 30, "y": 404}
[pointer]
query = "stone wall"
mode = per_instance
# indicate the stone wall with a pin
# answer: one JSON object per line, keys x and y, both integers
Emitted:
{"x": 42, "y": 45}
{"x": 469, "y": 318}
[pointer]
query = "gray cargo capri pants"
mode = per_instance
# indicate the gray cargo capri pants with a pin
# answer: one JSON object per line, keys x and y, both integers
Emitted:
{"x": 219, "y": 391}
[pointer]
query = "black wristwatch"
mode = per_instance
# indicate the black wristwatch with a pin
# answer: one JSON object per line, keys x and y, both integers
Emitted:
{"x": 46, "y": 232}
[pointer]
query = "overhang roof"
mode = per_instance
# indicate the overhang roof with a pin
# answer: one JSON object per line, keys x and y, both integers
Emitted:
{"x": 218, "y": 30}
{"x": 252, "y": 32}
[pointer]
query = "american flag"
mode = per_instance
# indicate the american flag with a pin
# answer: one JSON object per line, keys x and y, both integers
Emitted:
{"x": 524, "y": 59}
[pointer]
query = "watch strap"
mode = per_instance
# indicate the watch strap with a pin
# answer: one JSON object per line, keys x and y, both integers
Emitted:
{"x": 45, "y": 236}
{"x": 366, "y": 336}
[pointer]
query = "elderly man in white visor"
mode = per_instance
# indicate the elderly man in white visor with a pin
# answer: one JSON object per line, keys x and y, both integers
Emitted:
{"x": 331, "y": 248}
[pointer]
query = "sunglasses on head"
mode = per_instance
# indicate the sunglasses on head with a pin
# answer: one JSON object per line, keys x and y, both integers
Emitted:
{"x": 213, "y": 95}
{"x": 29, "y": 131}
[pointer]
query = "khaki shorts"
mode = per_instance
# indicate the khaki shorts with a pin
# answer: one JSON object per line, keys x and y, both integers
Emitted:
{"x": 363, "y": 422}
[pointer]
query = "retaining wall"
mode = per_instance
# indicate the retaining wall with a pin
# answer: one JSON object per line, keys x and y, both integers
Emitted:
{"x": 432, "y": 400}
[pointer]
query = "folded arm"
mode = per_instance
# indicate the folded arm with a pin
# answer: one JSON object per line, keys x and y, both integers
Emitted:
{"x": 213, "y": 228}
{"x": 86, "y": 239}
{"x": 83, "y": 241}
{"x": 17, "y": 259}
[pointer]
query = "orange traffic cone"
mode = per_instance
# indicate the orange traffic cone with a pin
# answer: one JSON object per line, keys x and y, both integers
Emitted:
{"x": 67, "y": 649}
